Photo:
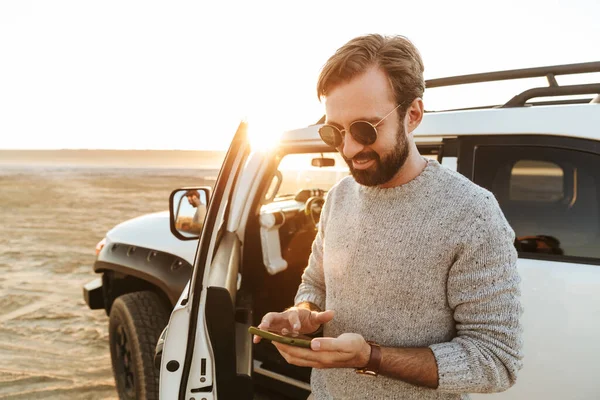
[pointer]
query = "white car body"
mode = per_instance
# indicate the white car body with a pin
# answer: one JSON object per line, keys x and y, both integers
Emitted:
{"x": 152, "y": 231}
{"x": 561, "y": 299}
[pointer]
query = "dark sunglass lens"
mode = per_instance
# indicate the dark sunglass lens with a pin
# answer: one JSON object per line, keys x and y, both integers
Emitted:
{"x": 330, "y": 135}
{"x": 363, "y": 132}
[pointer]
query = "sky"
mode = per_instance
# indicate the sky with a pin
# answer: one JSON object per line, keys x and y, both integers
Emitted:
{"x": 181, "y": 75}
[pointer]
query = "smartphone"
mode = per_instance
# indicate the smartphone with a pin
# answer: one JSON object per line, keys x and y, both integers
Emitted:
{"x": 298, "y": 340}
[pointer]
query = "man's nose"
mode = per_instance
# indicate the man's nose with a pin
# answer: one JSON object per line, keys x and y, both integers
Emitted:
{"x": 350, "y": 147}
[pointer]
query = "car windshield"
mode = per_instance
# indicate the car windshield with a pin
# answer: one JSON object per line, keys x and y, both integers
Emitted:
{"x": 298, "y": 172}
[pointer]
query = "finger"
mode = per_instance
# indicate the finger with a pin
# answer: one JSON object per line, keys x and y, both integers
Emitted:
{"x": 295, "y": 361}
{"x": 294, "y": 320}
{"x": 256, "y": 339}
{"x": 298, "y": 354}
{"x": 274, "y": 321}
{"x": 322, "y": 317}
{"x": 304, "y": 363}
{"x": 305, "y": 357}
{"x": 266, "y": 321}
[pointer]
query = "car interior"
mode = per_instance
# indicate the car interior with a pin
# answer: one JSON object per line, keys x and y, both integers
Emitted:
{"x": 300, "y": 184}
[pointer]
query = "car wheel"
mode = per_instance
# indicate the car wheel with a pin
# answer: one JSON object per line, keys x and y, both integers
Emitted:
{"x": 136, "y": 321}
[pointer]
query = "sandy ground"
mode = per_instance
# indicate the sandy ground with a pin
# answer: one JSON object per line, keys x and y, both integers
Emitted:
{"x": 51, "y": 345}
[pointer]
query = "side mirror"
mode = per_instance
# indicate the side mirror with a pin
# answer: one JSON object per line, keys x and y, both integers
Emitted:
{"x": 323, "y": 162}
{"x": 187, "y": 210}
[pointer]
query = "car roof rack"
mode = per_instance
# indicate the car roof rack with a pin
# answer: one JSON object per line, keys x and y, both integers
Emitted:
{"x": 520, "y": 100}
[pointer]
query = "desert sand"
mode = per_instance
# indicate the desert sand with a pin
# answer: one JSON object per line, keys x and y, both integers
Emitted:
{"x": 52, "y": 346}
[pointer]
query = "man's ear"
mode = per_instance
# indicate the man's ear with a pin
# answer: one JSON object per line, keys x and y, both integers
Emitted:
{"x": 414, "y": 114}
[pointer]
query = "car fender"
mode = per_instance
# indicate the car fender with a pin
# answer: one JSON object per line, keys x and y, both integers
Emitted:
{"x": 152, "y": 231}
{"x": 144, "y": 248}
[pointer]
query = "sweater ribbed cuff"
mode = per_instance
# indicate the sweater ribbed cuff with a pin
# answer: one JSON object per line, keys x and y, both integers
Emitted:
{"x": 314, "y": 298}
{"x": 453, "y": 366}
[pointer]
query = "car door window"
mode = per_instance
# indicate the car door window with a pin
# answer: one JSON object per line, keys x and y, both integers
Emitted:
{"x": 548, "y": 194}
{"x": 536, "y": 181}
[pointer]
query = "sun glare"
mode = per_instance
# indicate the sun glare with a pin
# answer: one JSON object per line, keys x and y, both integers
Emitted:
{"x": 263, "y": 134}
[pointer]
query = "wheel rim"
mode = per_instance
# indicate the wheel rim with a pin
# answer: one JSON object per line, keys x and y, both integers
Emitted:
{"x": 125, "y": 359}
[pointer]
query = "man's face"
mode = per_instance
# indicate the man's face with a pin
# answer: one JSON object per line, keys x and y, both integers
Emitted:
{"x": 369, "y": 97}
{"x": 194, "y": 200}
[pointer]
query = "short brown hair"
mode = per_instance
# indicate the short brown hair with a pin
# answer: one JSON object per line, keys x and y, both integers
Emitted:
{"x": 396, "y": 55}
{"x": 193, "y": 193}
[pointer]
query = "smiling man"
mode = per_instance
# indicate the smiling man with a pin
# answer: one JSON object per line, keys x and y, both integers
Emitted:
{"x": 413, "y": 271}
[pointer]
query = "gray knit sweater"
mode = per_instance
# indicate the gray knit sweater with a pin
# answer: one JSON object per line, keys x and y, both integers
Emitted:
{"x": 428, "y": 263}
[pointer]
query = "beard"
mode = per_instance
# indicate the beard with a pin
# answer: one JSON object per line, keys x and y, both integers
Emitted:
{"x": 385, "y": 167}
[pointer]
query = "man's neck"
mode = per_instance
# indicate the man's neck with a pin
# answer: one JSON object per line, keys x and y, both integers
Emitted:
{"x": 414, "y": 165}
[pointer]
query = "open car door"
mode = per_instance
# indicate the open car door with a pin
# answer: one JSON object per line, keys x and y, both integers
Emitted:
{"x": 199, "y": 354}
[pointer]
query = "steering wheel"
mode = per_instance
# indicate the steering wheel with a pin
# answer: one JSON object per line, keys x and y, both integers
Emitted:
{"x": 312, "y": 209}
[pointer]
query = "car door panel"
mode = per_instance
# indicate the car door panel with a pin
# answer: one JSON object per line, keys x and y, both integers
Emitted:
{"x": 560, "y": 285}
{"x": 207, "y": 368}
{"x": 220, "y": 321}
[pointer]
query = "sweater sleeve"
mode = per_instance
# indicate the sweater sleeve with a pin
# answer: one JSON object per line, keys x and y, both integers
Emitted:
{"x": 312, "y": 288}
{"x": 483, "y": 290}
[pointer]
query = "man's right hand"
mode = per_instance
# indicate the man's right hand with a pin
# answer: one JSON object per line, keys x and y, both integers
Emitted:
{"x": 294, "y": 320}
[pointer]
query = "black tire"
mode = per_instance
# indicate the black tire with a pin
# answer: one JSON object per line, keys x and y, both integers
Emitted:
{"x": 136, "y": 321}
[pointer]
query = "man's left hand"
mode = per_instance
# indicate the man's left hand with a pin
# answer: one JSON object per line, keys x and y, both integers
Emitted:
{"x": 349, "y": 350}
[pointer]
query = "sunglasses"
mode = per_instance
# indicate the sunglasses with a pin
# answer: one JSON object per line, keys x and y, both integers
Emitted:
{"x": 363, "y": 132}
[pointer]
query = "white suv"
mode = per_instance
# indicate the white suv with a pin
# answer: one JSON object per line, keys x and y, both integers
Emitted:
{"x": 540, "y": 159}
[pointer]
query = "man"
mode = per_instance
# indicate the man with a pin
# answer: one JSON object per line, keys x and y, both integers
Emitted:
{"x": 193, "y": 197}
{"x": 410, "y": 256}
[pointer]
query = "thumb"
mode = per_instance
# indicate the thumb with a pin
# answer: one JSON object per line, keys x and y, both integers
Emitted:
{"x": 323, "y": 317}
{"x": 328, "y": 344}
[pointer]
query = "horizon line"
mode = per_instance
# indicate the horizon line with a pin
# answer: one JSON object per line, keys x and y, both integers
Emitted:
{"x": 105, "y": 149}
